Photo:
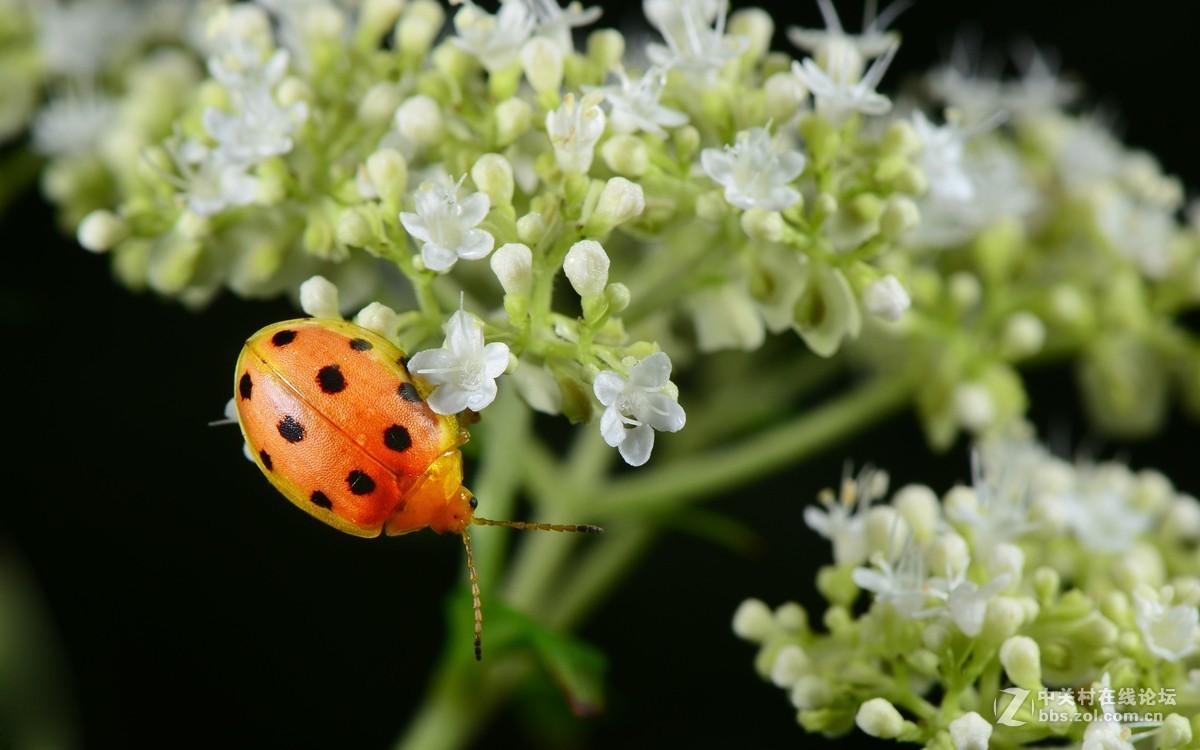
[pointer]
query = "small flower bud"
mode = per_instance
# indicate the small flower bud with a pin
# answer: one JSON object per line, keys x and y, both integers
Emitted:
{"x": 886, "y": 299}
{"x": 620, "y": 201}
{"x": 319, "y": 298}
{"x": 948, "y": 555}
{"x": 626, "y": 154}
{"x": 389, "y": 174}
{"x": 1176, "y": 732}
{"x": 752, "y": 621}
{"x": 586, "y": 266}
{"x": 687, "y": 141}
{"x": 101, "y": 230}
{"x": 791, "y": 617}
{"x": 1003, "y": 618}
{"x": 1046, "y": 583}
{"x": 419, "y": 119}
{"x": 513, "y": 265}
{"x": 531, "y": 227}
{"x": 901, "y": 139}
{"x": 493, "y": 174}
{"x": 379, "y": 318}
{"x": 790, "y": 665}
{"x": 513, "y": 118}
{"x": 379, "y": 104}
{"x": 965, "y": 290}
{"x": 810, "y": 692}
{"x": 711, "y": 206}
{"x": 879, "y": 718}
{"x": 973, "y": 406}
{"x": 960, "y": 501}
{"x": 760, "y": 224}
{"x": 353, "y": 229}
{"x": 418, "y": 27}
{"x": 376, "y": 16}
{"x": 618, "y": 297}
{"x": 542, "y": 61}
{"x": 1024, "y": 335}
{"x": 756, "y": 27}
{"x": 900, "y": 216}
{"x": 784, "y": 95}
{"x": 970, "y": 732}
{"x": 886, "y": 530}
{"x": 919, "y": 506}
{"x": 1022, "y": 661}
{"x": 1006, "y": 559}
{"x": 606, "y": 48}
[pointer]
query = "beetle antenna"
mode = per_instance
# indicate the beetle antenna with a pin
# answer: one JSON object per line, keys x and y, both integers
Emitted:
{"x": 580, "y": 528}
{"x": 474, "y": 597}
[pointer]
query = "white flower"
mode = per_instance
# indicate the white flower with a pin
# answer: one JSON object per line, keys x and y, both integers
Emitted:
{"x": 886, "y": 298}
{"x": 1139, "y": 231}
{"x": 637, "y": 406}
{"x": 1105, "y": 732}
{"x": 842, "y": 54}
{"x": 838, "y": 100}
{"x": 844, "y": 520}
{"x": 555, "y": 22}
{"x": 754, "y": 173}
{"x": 694, "y": 44}
{"x": 445, "y": 226}
{"x": 1169, "y": 632}
{"x": 464, "y": 369}
{"x": 966, "y": 601}
{"x": 72, "y": 123}
{"x": 904, "y": 586}
{"x": 635, "y": 104}
{"x": 574, "y": 129}
{"x": 209, "y": 184}
{"x": 257, "y": 129}
{"x": 941, "y": 158}
{"x": 1101, "y": 509}
{"x": 495, "y": 40}
{"x": 970, "y": 88}
{"x": 1003, "y": 471}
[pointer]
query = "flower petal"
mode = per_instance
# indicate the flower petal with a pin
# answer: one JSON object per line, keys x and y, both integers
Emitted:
{"x": 638, "y": 443}
{"x": 652, "y": 372}
{"x": 415, "y": 225}
{"x": 476, "y": 244}
{"x": 472, "y": 209}
{"x": 608, "y": 386}
{"x": 432, "y": 365}
{"x": 612, "y": 429}
{"x": 662, "y": 412}
{"x": 495, "y": 359}
{"x": 450, "y": 399}
{"x": 480, "y": 399}
{"x": 438, "y": 258}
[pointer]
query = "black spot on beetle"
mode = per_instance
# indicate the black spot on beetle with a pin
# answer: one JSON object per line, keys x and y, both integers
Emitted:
{"x": 403, "y": 361}
{"x": 361, "y": 345}
{"x": 331, "y": 379}
{"x": 408, "y": 392}
{"x": 283, "y": 338}
{"x": 397, "y": 438}
{"x": 360, "y": 483}
{"x": 321, "y": 500}
{"x": 266, "y": 459}
{"x": 245, "y": 385}
{"x": 291, "y": 430}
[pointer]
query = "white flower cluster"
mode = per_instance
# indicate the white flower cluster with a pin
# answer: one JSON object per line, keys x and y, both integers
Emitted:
{"x": 987, "y": 571}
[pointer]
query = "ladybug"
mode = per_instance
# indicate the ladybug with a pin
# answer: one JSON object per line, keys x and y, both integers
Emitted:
{"x": 337, "y": 423}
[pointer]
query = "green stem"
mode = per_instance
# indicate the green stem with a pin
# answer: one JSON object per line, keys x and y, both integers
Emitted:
{"x": 502, "y": 434}
{"x": 703, "y": 475}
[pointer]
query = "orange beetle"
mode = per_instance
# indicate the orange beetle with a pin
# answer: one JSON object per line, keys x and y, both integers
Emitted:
{"x": 332, "y": 416}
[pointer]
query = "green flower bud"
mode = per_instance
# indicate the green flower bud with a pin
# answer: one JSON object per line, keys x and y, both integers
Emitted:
{"x": 586, "y": 267}
{"x": 1003, "y": 618}
{"x": 101, "y": 230}
{"x": 900, "y": 216}
{"x": 530, "y": 228}
{"x": 493, "y": 174}
{"x": 900, "y": 139}
{"x": 618, "y": 297}
{"x": 1176, "y": 732}
{"x": 513, "y": 118}
{"x": 379, "y": 104}
{"x": 687, "y": 142}
{"x": 1021, "y": 659}
{"x": 756, "y": 27}
{"x": 879, "y": 718}
{"x": 711, "y": 207}
{"x": 419, "y": 119}
{"x": 542, "y": 62}
{"x": 626, "y": 154}
{"x": 784, "y": 95}
{"x": 1125, "y": 387}
{"x": 319, "y": 298}
{"x": 1024, "y": 335}
{"x": 353, "y": 229}
{"x": 419, "y": 25}
{"x": 762, "y": 225}
{"x": 752, "y": 621}
{"x": 379, "y": 318}
{"x": 605, "y": 48}
{"x": 620, "y": 201}
{"x": 389, "y": 174}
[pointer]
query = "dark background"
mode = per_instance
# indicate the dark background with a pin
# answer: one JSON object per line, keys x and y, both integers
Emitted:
{"x": 194, "y": 607}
